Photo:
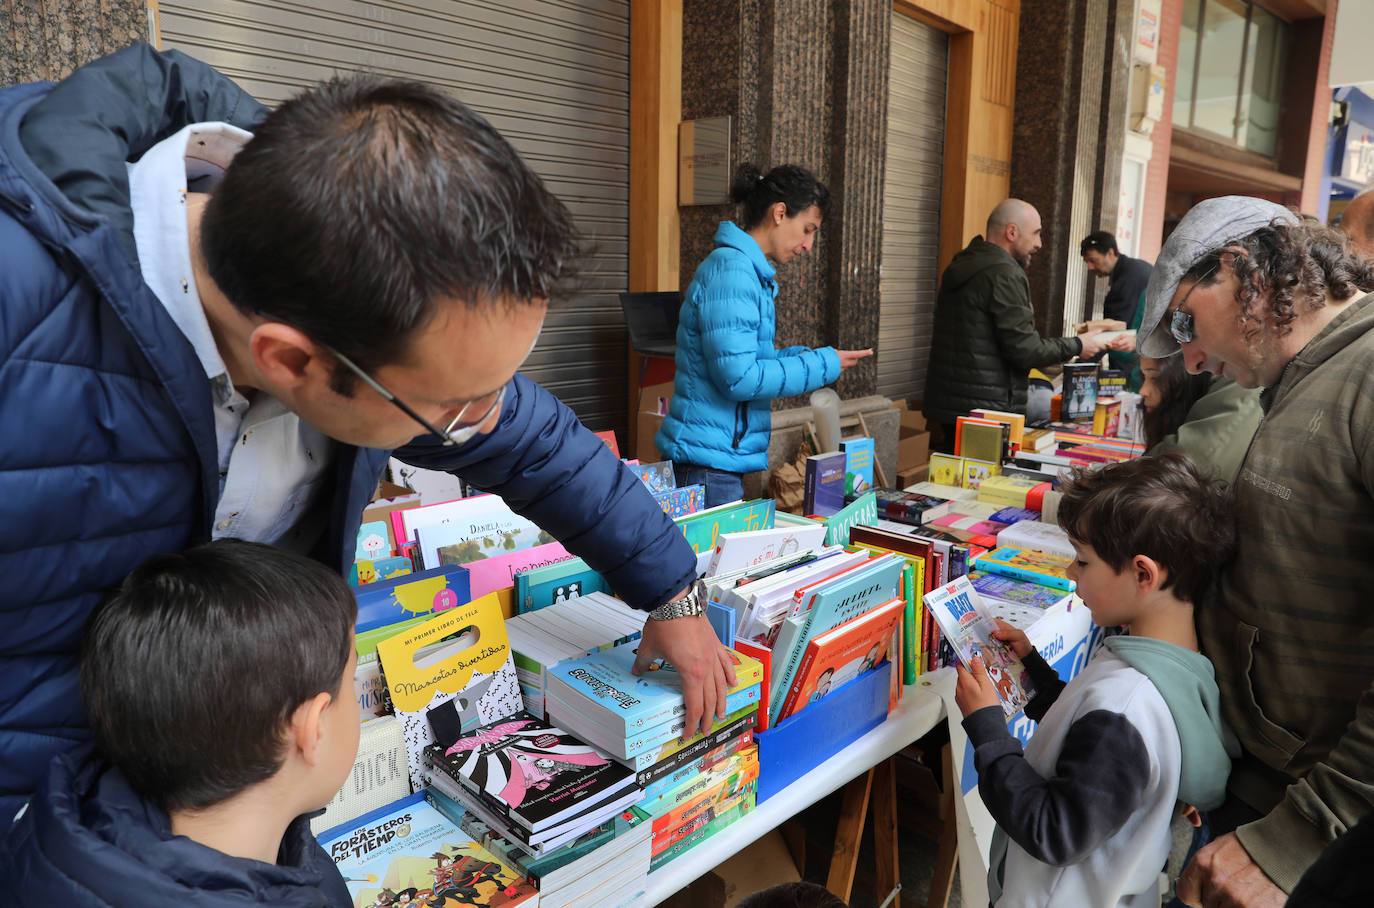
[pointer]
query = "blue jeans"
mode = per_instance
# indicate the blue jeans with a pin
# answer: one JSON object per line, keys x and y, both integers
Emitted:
{"x": 721, "y": 487}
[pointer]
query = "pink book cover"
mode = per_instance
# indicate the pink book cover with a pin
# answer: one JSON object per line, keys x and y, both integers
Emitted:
{"x": 490, "y": 574}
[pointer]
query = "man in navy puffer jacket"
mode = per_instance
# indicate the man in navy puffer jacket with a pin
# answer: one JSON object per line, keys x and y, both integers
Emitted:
{"x": 378, "y": 267}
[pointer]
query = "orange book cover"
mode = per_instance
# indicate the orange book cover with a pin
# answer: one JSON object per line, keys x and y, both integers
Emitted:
{"x": 838, "y": 656}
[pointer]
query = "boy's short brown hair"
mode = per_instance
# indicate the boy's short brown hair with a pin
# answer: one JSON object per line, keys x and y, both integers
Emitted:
{"x": 1162, "y": 507}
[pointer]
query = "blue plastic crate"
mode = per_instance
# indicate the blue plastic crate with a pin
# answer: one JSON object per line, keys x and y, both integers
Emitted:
{"x": 802, "y": 742}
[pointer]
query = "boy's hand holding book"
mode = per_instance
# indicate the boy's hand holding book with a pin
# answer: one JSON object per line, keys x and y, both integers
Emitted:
{"x": 1013, "y": 637}
{"x": 975, "y": 690}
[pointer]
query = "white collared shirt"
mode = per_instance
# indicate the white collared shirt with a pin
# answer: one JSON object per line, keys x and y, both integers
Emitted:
{"x": 270, "y": 462}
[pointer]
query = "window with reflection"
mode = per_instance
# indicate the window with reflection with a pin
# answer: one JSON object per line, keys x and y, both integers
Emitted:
{"x": 1230, "y": 72}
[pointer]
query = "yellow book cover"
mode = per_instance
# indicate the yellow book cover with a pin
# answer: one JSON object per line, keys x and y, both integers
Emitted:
{"x": 946, "y": 469}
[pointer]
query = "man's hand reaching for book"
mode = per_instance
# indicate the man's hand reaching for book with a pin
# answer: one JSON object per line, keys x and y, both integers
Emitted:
{"x": 691, "y": 645}
{"x": 974, "y": 689}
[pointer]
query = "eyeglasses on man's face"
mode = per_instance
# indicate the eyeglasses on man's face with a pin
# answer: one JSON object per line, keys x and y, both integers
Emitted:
{"x": 471, "y": 418}
{"x": 1181, "y": 324}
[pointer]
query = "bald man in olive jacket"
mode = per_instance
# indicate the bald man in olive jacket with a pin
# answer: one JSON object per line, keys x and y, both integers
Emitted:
{"x": 985, "y": 340}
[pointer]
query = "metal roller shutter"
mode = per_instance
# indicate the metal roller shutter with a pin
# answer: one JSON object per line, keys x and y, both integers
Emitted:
{"x": 551, "y": 75}
{"x": 911, "y": 205}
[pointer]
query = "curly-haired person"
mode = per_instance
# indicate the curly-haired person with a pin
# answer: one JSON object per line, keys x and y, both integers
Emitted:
{"x": 1247, "y": 290}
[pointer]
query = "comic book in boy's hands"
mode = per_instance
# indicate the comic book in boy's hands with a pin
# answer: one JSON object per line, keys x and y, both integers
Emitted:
{"x": 967, "y": 625}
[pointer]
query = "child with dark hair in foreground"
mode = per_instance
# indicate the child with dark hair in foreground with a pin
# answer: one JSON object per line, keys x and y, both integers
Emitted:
{"x": 1083, "y": 814}
{"x": 219, "y": 684}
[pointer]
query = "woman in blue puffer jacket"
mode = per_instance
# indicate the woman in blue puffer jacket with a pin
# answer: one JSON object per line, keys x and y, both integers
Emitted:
{"x": 728, "y": 371}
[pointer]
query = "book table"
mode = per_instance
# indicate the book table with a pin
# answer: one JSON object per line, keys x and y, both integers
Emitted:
{"x": 919, "y": 711}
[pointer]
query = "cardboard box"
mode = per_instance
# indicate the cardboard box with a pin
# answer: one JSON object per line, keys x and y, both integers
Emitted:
{"x": 913, "y": 440}
{"x": 653, "y": 406}
{"x": 647, "y": 427}
{"x": 908, "y": 478}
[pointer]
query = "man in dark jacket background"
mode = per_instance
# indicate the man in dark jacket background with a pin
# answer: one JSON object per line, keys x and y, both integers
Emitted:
{"x": 1126, "y": 276}
{"x": 985, "y": 341}
{"x": 207, "y": 332}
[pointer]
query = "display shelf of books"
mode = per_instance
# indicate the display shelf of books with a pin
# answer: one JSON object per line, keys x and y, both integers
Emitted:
{"x": 921, "y": 708}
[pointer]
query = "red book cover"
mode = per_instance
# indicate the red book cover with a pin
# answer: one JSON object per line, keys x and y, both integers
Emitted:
{"x": 838, "y": 656}
{"x": 765, "y": 657}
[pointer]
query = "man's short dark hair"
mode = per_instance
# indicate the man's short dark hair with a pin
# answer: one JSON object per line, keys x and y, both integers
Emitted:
{"x": 1162, "y": 507}
{"x": 192, "y": 669}
{"x": 1100, "y": 240}
{"x": 360, "y": 203}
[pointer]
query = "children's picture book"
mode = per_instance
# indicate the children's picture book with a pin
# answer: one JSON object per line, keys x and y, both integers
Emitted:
{"x": 702, "y": 528}
{"x": 499, "y": 571}
{"x": 1022, "y": 564}
{"x": 850, "y": 595}
{"x": 386, "y": 602}
{"x": 407, "y": 853}
{"x": 449, "y": 674}
{"x": 532, "y": 773}
{"x": 682, "y": 501}
{"x": 823, "y": 493}
{"x": 858, "y": 464}
{"x": 840, "y": 655}
{"x": 657, "y": 476}
{"x": 540, "y": 587}
{"x": 373, "y": 541}
{"x": 966, "y": 625}
{"x": 1037, "y": 536}
{"x": 946, "y": 470}
{"x": 741, "y": 550}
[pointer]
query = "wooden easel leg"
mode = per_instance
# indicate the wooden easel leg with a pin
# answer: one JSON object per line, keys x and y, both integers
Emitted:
{"x": 947, "y": 858}
{"x": 848, "y": 836}
{"x": 884, "y": 800}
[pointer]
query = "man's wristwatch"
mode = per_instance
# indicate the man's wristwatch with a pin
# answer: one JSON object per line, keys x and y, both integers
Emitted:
{"x": 688, "y": 606}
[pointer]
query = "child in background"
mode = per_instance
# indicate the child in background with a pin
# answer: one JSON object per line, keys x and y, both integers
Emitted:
{"x": 1208, "y": 417}
{"x": 793, "y": 895}
{"x": 219, "y": 684}
{"x": 1083, "y": 814}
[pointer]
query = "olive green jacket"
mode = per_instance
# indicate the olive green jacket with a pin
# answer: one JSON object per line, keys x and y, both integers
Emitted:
{"x": 1291, "y": 627}
{"x": 1217, "y": 429}
{"x": 985, "y": 341}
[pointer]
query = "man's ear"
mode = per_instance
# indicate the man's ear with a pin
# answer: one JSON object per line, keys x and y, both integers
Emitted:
{"x": 285, "y": 356}
{"x": 1149, "y": 574}
{"x": 307, "y": 728}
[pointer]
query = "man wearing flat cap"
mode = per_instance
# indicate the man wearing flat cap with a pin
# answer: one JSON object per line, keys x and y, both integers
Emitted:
{"x": 1245, "y": 289}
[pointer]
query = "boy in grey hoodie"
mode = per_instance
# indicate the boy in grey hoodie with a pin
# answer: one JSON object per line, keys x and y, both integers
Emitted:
{"x": 1083, "y": 813}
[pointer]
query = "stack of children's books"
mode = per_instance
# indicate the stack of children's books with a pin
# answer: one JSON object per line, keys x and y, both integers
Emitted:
{"x": 534, "y": 783}
{"x": 605, "y": 867}
{"x": 692, "y": 788}
{"x": 565, "y": 630}
{"x": 633, "y": 717}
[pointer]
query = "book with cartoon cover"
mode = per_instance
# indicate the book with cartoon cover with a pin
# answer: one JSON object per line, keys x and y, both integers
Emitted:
{"x": 409, "y": 853}
{"x": 966, "y": 625}
{"x": 1025, "y": 564}
{"x": 532, "y": 773}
